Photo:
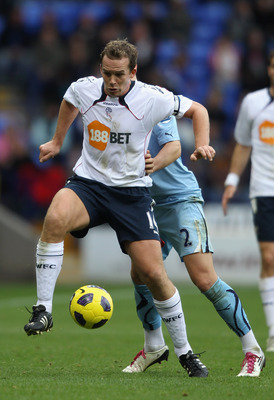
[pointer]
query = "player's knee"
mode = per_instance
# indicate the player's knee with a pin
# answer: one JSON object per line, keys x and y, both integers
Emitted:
{"x": 217, "y": 291}
{"x": 204, "y": 281}
{"x": 153, "y": 276}
{"x": 55, "y": 222}
{"x": 268, "y": 262}
{"x": 203, "y": 284}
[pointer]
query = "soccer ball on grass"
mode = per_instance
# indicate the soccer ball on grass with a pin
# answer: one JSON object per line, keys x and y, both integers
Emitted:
{"x": 91, "y": 306}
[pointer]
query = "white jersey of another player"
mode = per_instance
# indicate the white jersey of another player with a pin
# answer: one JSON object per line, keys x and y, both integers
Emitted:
{"x": 117, "y": 129}
{"x": 255, "y": 127}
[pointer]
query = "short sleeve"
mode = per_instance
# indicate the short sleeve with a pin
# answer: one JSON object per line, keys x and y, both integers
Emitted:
{"x": 71, "y": 96}
{"x": 166, "y": 131}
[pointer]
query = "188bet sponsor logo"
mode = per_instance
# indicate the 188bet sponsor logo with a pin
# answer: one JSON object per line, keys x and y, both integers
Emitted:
{"x": 266, "y": 132}
{"x": 100, "y": 134}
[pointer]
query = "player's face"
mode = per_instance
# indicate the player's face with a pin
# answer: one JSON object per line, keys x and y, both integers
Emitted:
{"x": 117, "y": 76}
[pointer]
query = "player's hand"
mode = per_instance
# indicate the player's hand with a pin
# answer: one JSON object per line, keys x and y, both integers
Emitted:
{"x": 205, "y": 152}
{"x": 48, "y": 150}
{"x": 227, "y": 195}
{"x": 149, "y": 163}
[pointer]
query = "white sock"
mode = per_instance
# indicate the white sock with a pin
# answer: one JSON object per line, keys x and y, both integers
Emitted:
{"x": 266, "y": 287}
{"x": 154, "y": 340}
{"x": 250, "y": 344}
{"x": 49, "y": 258}
{"x": 172, "y": 314}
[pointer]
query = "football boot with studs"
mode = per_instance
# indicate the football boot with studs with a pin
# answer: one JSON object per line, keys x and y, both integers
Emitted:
{"x": 194, "y": 367}
{"x": 39, "y": 322}
{"x": 252, "y": 365}
{"x": 144, "y": 360}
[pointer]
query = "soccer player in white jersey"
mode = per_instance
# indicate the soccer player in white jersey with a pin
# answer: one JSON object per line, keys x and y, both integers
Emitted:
{"x": 254, "y": 135}
{"x": 110, "y": 184}
{"x": 182, "y": 226}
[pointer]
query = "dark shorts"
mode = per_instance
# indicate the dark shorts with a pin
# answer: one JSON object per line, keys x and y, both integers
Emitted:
{"x": 128, "y": 210}
{"x": 263, "y": 218}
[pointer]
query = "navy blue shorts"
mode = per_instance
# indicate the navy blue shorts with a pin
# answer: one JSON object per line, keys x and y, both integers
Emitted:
{"x": 263, "y": 218}
{"x": 128, "y": 210}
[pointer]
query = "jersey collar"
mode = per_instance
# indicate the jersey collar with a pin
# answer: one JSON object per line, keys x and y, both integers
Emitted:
{"x": 121, "y": 98}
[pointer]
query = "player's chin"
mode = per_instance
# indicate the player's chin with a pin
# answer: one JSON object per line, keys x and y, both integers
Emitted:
{"x": 114, "y": 92}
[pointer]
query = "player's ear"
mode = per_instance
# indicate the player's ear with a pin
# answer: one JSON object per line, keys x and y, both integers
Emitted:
{"x": 133, "y": 73}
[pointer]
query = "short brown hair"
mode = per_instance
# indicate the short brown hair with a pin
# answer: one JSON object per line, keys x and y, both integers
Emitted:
{"x": 120, "y": 48}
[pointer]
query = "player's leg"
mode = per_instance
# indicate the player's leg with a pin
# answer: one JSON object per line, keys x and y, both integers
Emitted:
{"x": 168, "y": 217}
{"x": 155, "y": 349}
{"x": 154, "y": 342}
{"x": 145, "y": 252}
{"x": 266, "y": 287}
{"x": 263, "y": 218}
{"x": 148, "y": 266}
{"x": 223, "y": 297}
{"x": 194, "y": 247}
{"x": 228, "y": 305}
{"x": 150, "y": 318}
{"x": 147, "y": 313}
{"x": 66, "y": 213}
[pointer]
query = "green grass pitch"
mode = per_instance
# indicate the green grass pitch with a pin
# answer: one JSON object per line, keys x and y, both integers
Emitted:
{"x": 73, "y": 363}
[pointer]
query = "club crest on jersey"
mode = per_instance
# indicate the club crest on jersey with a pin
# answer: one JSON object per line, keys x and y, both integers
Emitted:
{"x": 108, "y": 112}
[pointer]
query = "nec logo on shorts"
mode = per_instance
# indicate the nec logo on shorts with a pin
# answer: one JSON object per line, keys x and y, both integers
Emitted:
{"x": 100, "y": 134}
{"x": 266, "y": 132}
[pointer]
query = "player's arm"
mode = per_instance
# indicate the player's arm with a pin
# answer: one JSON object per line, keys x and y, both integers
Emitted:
{"x": 200, "y": 120}
{"x": 239, "y": 160}
{"x": 167, "y": 155}
{"x": 67, "y": 115}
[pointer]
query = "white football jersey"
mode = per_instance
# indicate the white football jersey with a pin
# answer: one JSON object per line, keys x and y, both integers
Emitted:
{"x": 255, "y": 127}
{"x": 117, "y": 129}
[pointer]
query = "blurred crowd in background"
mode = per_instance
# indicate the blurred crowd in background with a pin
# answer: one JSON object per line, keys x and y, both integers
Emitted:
{"x": 211, "y": 51}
